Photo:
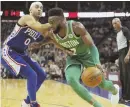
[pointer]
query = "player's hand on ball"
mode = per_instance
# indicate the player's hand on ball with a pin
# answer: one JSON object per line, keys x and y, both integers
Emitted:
{"x": 91, "y": 76}
{"x": 99, "y": 66}
{"x": 102, "y": 70}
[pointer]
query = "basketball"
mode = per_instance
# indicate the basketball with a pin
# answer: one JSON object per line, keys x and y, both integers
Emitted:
{"x": 91, "y": 76}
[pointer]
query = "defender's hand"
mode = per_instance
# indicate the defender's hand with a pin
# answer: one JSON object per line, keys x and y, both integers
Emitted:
{"x": 34, "y": 46}
{"x": 69, "y": 52}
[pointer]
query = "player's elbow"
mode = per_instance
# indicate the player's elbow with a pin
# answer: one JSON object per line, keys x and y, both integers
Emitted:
{"x": 87, "y": 40}
{"x": 90, "y": 43}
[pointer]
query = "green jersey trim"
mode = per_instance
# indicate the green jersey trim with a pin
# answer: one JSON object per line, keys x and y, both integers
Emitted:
{"x": 71, "y": 28}
{"x": 66, "y": 33}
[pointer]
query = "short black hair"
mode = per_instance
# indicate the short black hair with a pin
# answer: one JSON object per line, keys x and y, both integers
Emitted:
{"x": 55, "y": 12}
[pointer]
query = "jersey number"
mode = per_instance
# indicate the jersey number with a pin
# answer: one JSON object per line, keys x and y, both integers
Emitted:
{"x": 74, "y": 50}
{"x": 27, "y": 41}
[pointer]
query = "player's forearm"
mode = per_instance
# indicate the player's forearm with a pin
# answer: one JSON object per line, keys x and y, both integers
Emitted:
{"x": 87, "y": 39}
{"x": 68, "y": 51}
{"x": 45, "y": 42}
{"x": 42, "y": 28}
{"x": 42, "y": 44}
{"x": 32, "y": 23}
{"x": 94, "y": 53}
{"x": 50, "y": 41}
{"x": 59, "y": 46}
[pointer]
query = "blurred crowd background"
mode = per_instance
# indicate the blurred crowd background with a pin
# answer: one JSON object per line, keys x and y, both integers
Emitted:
{"x": 52, "y": 59}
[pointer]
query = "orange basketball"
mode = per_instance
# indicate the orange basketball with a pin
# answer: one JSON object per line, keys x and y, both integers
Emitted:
{"x": 91, "y": 76}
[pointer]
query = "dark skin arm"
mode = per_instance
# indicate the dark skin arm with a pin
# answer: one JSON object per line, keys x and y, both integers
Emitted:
{"x": 38, "y": 45}
{"x": 50, "y": 39}
{"x": 80, "y": 30}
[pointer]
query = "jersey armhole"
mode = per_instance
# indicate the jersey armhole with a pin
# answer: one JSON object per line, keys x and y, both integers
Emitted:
{"x": 20, "y": 25}
{"x": 71, "y": 27}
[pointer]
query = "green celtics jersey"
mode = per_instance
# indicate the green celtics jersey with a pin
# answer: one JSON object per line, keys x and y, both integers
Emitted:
{"x": 72, "y": 42}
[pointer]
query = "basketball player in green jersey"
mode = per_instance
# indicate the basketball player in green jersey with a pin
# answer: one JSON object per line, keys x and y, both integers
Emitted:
{"x": 72, "y": 35}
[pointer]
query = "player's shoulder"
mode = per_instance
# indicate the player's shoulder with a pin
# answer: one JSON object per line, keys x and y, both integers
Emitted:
{"x": 22, "y": 21}
{"x": 77, "y": 26}
{"x": 76, "y": 23}
{"x": 27, "y": 17}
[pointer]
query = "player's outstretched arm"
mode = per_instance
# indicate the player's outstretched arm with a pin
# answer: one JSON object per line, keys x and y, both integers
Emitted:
{"x": 79, "y": 29}
{"x": 50, "y": 39}
{"x": 51, "y": 36}
{"x": 32, "y": 23}
{"x": 69, "y": 52}
{"x": 38, "y": 45}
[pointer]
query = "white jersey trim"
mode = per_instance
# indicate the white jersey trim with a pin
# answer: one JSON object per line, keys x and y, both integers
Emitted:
{"x": 10, "y": 61}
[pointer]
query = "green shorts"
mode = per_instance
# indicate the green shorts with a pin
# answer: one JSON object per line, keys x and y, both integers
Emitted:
{"x": 85, "y": 61}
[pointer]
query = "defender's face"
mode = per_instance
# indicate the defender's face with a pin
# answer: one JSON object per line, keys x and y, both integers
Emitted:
{"x": 55, "y": 21}
{"x": 37, "y": 10}
{"x": 116, "y": 25}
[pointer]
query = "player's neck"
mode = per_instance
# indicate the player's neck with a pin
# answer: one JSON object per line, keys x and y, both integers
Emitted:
{"x": 63, "y": 30}
{"x": 36, "y": 18}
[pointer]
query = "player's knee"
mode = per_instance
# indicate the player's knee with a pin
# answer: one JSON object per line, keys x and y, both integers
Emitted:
{"x": 74, "y": 83}
{"x": 42, "y": 76}
{"x": 71, "y": 80}
{"x": 70, "y": 77}
{"x": 102, "y": 84}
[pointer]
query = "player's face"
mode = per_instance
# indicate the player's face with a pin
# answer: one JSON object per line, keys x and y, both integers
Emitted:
{"x": 116, "y": 25}
{"x": 37, "y": 10}
{"x": 56, "y": 22}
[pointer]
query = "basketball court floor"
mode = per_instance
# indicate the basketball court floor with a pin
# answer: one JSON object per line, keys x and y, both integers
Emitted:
{"x": 51, "y": 94}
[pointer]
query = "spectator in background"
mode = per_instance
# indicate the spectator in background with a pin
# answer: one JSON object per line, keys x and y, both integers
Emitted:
{"x": 55, "y": 71}
{"x": 123, "y": 44}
